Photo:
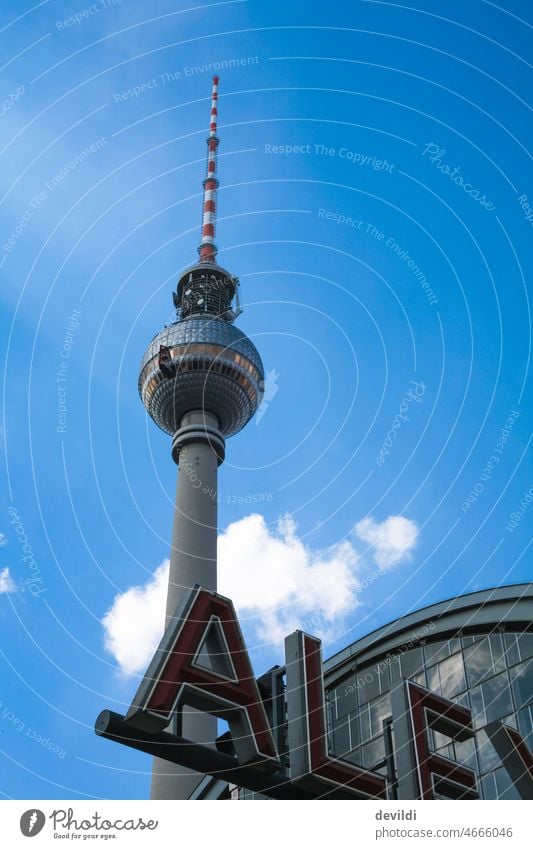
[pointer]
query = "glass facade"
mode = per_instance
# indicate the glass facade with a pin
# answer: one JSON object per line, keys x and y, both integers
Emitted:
{"x": 491, "y": 674}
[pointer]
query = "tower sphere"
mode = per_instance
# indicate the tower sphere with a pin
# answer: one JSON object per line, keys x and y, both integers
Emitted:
{"x": 213, "y": 366}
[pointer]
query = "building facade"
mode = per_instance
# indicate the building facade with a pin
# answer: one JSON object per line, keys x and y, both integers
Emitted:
{"x": 475, "y": 650}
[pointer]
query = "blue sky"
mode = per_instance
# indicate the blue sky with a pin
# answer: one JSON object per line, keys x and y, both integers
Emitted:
{"x": 375, "y": 184}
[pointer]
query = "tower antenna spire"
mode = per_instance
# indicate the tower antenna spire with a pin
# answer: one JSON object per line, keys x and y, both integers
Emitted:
{"x": 205, "y": 288}
{"x": 207, "y": 248}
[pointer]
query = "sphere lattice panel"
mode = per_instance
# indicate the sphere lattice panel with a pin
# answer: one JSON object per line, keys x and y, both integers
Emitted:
{"x": 212, "y": 366}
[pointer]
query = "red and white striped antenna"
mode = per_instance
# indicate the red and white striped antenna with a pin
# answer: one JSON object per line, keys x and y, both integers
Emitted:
{"x": 207, "y": 248}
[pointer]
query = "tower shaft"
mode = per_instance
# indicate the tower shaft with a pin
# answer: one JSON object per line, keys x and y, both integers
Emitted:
{"x": 193, "y": 561}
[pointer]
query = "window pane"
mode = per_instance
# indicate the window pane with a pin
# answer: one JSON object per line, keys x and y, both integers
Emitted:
{"x": 488, "y": 786}
{"x": 465, "y": 753}
{"x": 447, "y": 677}
{"x": 385, "y": 673}
{"x": 525, "y": 725}
{"x": 488, "y": 759}
{"x": 411, "y": 662}
{"x": 522, "y": 679}
{"x": 379, "y": 711}
{"x": 477, "y": 707}
{"x": 510, "y": 720}
{"x": 341, "y": 739}
{"x": 455, "y": 645}
{"x": 435, "y": 652}
{"x": 354, "y": 730}
{"x": 433, "y": 679}
{"x": 497, "y": 697}
{"x": 511, "y": 647}
{"x": 374, "y": 752}
{"x": 355, "y": 757}
{"x": 330, "y": 722}
{"x": 452, "y": 677}
{"x": 364, "y": 718}
{"x": 462, "y": 700}
{"x": 504, "y": 785}
{"x": 498, "y": 651}
{"x": 345, "y": 697}
{"x": 440, "y": 650}
{"x": 439, "y": 740}
{"x": 440, "y": 743}
{"x": 479, "y": 661}
{"x": 368, "y": 684}
{"x": 525, "y": 642}
{"x": 394, "y": 668}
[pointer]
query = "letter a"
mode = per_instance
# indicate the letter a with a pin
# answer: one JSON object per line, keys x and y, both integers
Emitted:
{"x": 202, "y": 662}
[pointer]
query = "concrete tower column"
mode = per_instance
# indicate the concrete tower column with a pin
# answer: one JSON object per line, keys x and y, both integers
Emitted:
{"x": 198, "y": 449}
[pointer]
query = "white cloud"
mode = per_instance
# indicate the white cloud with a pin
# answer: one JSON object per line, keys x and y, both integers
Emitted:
{"x": 3, "y": 540}
{"x": 7, "y": 585}
{"x": 134, "y": 623}
{"x": 392, "y": 540}
{"x": 277, "y": 582}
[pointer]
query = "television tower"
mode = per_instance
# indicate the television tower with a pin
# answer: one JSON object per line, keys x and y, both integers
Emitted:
{"x": 201, "y": 381}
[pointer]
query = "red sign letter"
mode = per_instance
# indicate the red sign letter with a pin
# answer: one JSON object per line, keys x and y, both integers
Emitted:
{"x": 311, "y": 765}
{"x": 202, "y": 661}
{"x": 436, "y": 773}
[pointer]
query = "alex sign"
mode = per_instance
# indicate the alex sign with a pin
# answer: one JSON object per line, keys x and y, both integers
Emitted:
{"x": 202, "y": 662}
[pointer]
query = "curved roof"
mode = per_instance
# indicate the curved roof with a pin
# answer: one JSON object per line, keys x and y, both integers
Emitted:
{"x": 510, "y": 607}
